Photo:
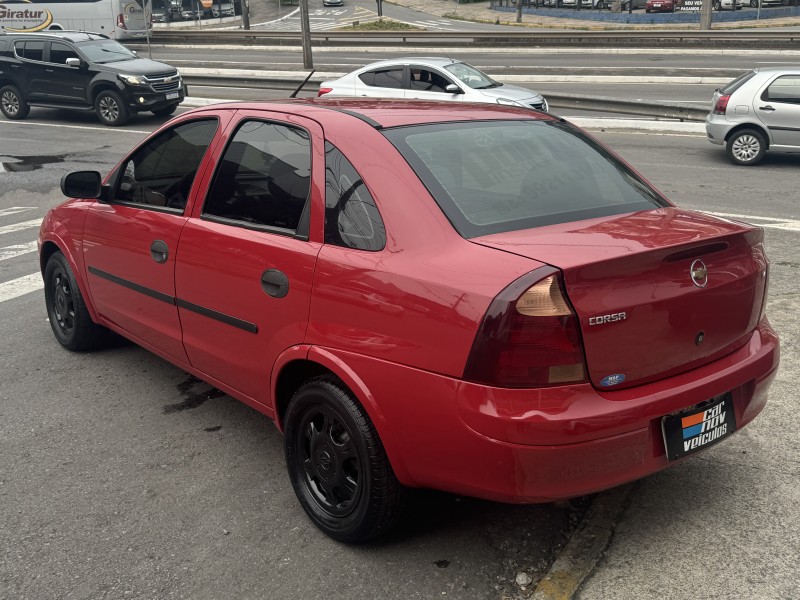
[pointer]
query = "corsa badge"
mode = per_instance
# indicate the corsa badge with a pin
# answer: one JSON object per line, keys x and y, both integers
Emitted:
{"x": 620, "y": 316}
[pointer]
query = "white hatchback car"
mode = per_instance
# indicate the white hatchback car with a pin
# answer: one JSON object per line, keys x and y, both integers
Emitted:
{"x": 430, "y": 79}
{"x": 756, "y": 112}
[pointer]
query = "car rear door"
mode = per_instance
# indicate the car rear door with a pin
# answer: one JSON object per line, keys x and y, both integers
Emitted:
{"x": 130, "y": 242}
{"x": 778, "y": 107}
{"x": 34, "y": 81}
{"x": 384, "y": 82}
{"x": 247, "y": 256}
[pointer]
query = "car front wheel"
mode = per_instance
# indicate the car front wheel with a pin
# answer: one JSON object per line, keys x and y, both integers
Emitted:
{"x": 12, "y": 104}
{"x": 746, "y": 147}
{"x": 111, "y": 109}
{"x": 69, "y": 318}
{"x": 337, "y": 464}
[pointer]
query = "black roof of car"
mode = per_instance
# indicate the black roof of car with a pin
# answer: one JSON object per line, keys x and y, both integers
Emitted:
{"x": 73, "y": 36}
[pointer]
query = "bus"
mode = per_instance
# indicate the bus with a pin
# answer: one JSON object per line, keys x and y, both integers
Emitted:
{"x": 118, "y": 19}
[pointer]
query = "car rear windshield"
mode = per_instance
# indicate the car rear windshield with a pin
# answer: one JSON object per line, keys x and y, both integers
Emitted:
{"x": 738, "y": 82}
{"x": 497, "y": 176}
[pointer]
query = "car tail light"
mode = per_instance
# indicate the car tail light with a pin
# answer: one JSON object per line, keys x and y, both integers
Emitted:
{"x": 722, "y": 104}
{"x": 529, "y": 337}
{"x": 322, "y": 91}
{"x": 121, "y": 21}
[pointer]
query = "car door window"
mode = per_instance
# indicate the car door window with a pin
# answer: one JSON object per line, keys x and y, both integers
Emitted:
{"x": 391, "y": 77}
{"x": 263, "y": 179}
{"x": 161, "y": 173}
{"x": 426, "y": 80}
{"x": 30, "y": 50}
{"x": 784, "y": 89}
{"x": 351, "y": 218}
{"x": 59, "y": 53}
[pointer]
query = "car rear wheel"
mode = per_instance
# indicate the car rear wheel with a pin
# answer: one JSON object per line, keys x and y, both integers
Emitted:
{"x": 166, "y": 111}
{"x": 337, "y": 464}
{"x": 69, "y": 318}
{"x": 111, "y": 109}
{"x": 746, "y": 147}
{"x": 717, "y": 5}
{"x": 12, "y": 104}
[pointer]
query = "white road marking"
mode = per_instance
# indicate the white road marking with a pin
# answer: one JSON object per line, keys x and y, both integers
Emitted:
{"x": 12, "y": 210}
{"x": 17, "y": 250}
{"x": 89, "y": 128}
{"x": 20, "y": 286}
{"x": 766, "y": 222}
{"x": 20, "y": 226}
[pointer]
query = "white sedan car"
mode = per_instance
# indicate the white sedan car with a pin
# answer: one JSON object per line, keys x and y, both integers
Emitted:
{"x": 430, "y": 79}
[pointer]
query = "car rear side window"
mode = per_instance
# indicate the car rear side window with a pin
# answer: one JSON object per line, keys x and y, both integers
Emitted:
{"x": 351, "y": 218}
{"x": 160, "y": 173}
{"x": 738, "y": 82}
{"x": 386, "y": 78}
{"x": 30, "y": 50}
{"x": 264, "y": 178}
{"x": 784, "y": 89}
{"x": 497, "y": 176}
{"x": 59, "y": 53}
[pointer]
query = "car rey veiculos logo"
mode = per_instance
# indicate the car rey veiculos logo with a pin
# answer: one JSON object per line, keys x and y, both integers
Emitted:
{"x": 22, "y": 16}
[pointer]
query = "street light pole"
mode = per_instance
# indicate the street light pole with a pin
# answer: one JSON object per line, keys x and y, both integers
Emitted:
{"x": 305, "y": 29}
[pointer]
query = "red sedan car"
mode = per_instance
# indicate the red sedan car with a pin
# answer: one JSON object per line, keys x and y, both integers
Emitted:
{"x": 473, "y": 298}
{"x": 660, "y": 6}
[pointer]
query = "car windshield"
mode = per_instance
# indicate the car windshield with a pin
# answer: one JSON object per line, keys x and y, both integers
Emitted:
{"x": 497, "y": 176}
{"x": 471, "y": 76}
{"x": 105, "y": 51}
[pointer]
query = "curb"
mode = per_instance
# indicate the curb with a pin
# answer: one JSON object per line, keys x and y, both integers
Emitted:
{"x": 586, "y": 546}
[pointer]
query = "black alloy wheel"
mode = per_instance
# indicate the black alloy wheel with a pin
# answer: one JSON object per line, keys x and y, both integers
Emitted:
{"x": 12, "y": 104}
{"x": 337, "y": 464}
{"x": 111, "y": 108}
{"x": 69, "y": 318}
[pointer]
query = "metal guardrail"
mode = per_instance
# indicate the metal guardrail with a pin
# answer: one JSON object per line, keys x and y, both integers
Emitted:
{"x": 662, "y": 110}
{"x": 683, "y": 38}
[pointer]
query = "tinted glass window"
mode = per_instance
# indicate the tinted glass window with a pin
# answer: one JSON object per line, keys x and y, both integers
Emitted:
{"x": 161, "y": 172}
{"x": 30, "y": 50}
{"x": 59, "y": 53}
{"x": 264, "y": 177}
{"x": 387, "y": 78}
{"x": 105, "y": 51}
{"x": 784, "y": 89}
{"x": 738, "y": 82}
{"x": 351, "y": 217}
{"x": 471, "y": 76}
{"x": 491, "y": 177}
{"x": 426, "y": 80}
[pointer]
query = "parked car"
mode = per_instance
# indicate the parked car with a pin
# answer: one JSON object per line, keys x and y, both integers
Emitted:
{"x": 430, "y": 79}
{"x": 332, "y": 2}
{"x": 625, "y": 4}
{"x": 224, "y": 9}
{"x": 418, "y": 303}
{"x": 660, "y": 6}
{"x": 84, "y": 71}
{"x": 726, "y": 4}
{"x": 756, "y": 112}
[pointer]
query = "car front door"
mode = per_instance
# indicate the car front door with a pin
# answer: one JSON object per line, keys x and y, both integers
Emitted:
{"x": 246, "y": 258}
{"x": 67, "y": 83}
{"x": 425, "y": 83}
{"x": 130, "y": 242}
{"x": 778, "y": 107}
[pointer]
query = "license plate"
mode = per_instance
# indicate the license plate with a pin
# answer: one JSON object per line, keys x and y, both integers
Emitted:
{"x": 699, "y": 427}
{"x": 172, "y": 95}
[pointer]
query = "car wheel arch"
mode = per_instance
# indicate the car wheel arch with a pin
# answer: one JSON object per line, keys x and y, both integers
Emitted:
{"x": 102, "y": 86}
{"x": 50, "y": 247}
{"x": 318, "y": 362}
{"x": 755, "y": 126}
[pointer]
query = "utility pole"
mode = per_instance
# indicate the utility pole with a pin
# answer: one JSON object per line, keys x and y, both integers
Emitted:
{"x": 705, "y": 15}
{"x": 519, "y": 11}
{"x": 246, "y": 15}
{"x": 305, "y": 29}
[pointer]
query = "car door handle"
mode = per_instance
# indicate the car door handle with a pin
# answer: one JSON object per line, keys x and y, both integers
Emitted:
{"x": 159, "y": 251}
{"x": 275, "y": 283}
{"x": 767, "y": 108}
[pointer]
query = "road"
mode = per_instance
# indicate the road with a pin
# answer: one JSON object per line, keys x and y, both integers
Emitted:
{"x": 122, "y": 477}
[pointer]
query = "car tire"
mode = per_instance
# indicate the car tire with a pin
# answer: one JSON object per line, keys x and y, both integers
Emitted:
{"x": 746, "y": 147}
{"x": 12, "y": 103}
{"x": 337, "y": 464}
{"x": 166, "y": 111}
{"x": 69, "y": 318}
{"x": 717, "y": 5}
{"x": 600, "y": 5}
{"x": 111, "y": 108}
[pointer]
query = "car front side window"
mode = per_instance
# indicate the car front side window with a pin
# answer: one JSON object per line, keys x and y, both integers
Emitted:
{"x": 59, "y": 53}
{"x": 161, "y": 173}
{"x": 263, "y": 179}
{"x": 427, "y": 80}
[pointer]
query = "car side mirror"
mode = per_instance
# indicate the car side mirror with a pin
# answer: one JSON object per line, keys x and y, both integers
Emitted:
{"x": 452, "y": 88}
{"x": 73, "y": 62}
{"x": 86, "y": 185}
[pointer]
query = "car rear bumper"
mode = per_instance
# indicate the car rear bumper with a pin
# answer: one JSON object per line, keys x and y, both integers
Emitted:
{"x": 717, "y": 127}
{"x": 525, "y": 446}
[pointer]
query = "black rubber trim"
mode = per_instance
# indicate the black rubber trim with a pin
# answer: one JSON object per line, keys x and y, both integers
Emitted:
{"x": 218, "y": 316}
{"x": 352, "y": 113}
{"x": 784, "y": 128}
{"x": 133, "y": 286}
{"x": 201, "y": 310}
